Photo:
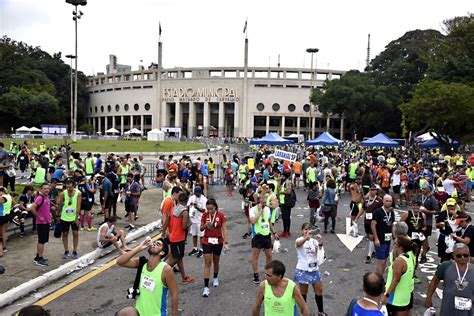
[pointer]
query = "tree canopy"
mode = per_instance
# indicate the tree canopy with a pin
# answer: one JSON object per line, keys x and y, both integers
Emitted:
{"x": 35, "y": 86}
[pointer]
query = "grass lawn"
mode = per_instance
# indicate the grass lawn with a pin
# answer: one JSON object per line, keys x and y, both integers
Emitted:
{"x": 127, "y": 146}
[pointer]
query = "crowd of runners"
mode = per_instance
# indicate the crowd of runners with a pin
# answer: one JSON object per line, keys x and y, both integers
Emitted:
{"x": 430, "y": 191}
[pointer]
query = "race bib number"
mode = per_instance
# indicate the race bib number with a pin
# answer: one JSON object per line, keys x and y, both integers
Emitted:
{"x": 148, "y": 283}
{"x": 69, "y": 210}
{"x": 368, "y": 216}
{"x": 116, "y": 191}
{"x": 265, "y": 226}
{"x": 462, "y": 303}
{"x": 212, "y": 241}
{"x": 312, "y": 266}
{"x": 388, "y": 236}
{"x": 415, "y": 235}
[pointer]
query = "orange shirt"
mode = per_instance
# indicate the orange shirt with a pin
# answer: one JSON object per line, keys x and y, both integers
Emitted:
{"x": 167, "y": 206}
{"x": 297, "y": 167}
{"x": 312, "y": 158}
{"x": 177, "y": 232}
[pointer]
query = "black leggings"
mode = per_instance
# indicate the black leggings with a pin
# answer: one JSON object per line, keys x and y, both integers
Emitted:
{"x": 286, "y": 216}
{"x": 331, "y": 214}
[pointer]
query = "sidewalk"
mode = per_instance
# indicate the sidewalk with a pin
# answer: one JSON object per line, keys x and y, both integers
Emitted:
{"x": 18, "y": 261}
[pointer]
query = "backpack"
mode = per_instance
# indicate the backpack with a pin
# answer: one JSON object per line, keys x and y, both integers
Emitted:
{"x": 290, "y": 199}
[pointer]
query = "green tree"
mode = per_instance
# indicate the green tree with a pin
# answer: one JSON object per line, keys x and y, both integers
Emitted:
{"x": 444, "y": 108}
{"x": 367, "y": 107}
{"x": 86, "y": 128}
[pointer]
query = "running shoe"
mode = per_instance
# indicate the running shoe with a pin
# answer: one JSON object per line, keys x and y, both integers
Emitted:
{"x": 186, "y": 280}
{"x": 75, "y": 255}
{"x": 215, "y": 282}
{"x": 199, "y": 254}
{"x": 92, "y": 228}
{"x": 66, "y": 255}
{"x": 42, "y": 262}
{"x": 193, "y": 252}
{"x": 368, "y": 260}
{"x": 83, "y": 228}
{"x": 423, "y": 259}
{"x": 205, "y": 292}
{"x": 256, "y": 280}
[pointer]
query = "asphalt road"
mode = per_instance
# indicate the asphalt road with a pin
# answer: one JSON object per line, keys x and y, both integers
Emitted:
{"x": 342, "y": 273}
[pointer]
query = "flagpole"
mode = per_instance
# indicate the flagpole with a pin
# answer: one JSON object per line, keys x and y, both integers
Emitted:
{"x": 159, "y": 31}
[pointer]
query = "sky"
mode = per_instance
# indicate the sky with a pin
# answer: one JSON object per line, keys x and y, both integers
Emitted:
{"x": 209, "y": 33}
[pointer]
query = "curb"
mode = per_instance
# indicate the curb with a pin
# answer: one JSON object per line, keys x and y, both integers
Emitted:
{"x": 24, "y": 289}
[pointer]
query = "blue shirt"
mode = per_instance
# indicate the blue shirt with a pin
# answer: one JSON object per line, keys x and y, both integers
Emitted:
{"x": 359, "y": 311}
{"x": 205, "y": 170}
{"x": 107, "y": 186}
{"x": 58, "y": 174}
{"x": 266, "y": 174}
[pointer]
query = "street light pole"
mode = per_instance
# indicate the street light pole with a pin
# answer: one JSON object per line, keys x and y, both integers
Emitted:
{"x": 76, "y": 16}
{"x": 72, "y": 94}
{"x": 311, "y": 127}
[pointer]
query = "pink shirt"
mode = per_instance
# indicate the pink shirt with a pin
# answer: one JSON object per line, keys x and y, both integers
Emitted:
{"x": 44, "y": 210}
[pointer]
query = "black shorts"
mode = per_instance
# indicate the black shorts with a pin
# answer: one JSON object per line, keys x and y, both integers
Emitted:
{"x": 43, "y": 233}
{"x": 396, "y": 189}
{"x": 427, "y": 232}
{"x": 411, "y": 186}
{"x": 368, "y": 228}
{"x": 212, "y": 249}
{"x": 177, "y": 249}
{"x": 108, "y": 202}
{"x": 130, "y": 208}
{"x": 4, "y": 219}
{"x": 86, "y": 205}
{"x": 262, "y": 242}
{"x": 354, "y": 208}
{"x": 211, "y": 172}
{"x": 386, "y": 190}
{"x": 65, "y": 226}
{"x": 391, "y": 309}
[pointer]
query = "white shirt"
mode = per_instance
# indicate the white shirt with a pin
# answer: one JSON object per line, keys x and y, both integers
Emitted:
{"x": 448, "y": 186}
{"x": 396, "y": 179}
{"x": 107, "y": 234}
{"x": 194, "y": 214}
{"x": 307, "y": 255}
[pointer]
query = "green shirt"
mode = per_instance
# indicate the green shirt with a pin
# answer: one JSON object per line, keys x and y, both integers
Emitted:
{"x": 284, "y": 305}
{"x": 152, "y": 298}
{"x": 262, "y": 226}
{"x": 402, "y": 293}
{"x": 69, "y": 211}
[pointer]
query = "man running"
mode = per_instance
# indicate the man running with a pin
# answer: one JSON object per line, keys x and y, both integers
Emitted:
{"x": 381, "y": 225}
{"x": 157, "y": 278}
{"x": 356, "y": 198}
{"x": 279, "y": 295}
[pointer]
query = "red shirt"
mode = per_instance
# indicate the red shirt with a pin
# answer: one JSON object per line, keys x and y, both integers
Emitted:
{"x": 177, "y": 233}
{"x": 217, "y": 220}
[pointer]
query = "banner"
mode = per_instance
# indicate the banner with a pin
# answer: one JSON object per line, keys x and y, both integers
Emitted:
{"x": 285, "y": 155}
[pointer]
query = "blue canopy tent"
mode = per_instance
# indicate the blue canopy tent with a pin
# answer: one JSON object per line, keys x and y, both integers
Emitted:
{"x": 325, "y": 139}
{"x": 271, "y": 139}
{"x": 433, "y": 143}
{"x": 380, "y": 140}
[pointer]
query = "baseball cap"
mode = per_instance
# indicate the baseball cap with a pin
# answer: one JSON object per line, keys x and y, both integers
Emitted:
{"x": 451, "y": 202}
{"x": 257, "y": 171}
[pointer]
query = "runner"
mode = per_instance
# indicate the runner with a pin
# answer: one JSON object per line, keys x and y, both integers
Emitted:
{"x": 369, "y": 304}
{"x": 307, "y": 269}
{"x": 107, "y": 236}
{"x": 87, "y": 187}
{"x": 156, "y": 280}
{"x": 41, "y": 209}
{"x": 262, "y": 219}
{"x": 356, "y": 198}
{"x": 197, "y": 206}
{"x": 5, "y": 209}
{"x": 214, "y": 225}
{"x": 381, "y": 226}
{"x": 68, "y": 206}
{"x": 371, "y": 202}
{"x": 279, "y": 295}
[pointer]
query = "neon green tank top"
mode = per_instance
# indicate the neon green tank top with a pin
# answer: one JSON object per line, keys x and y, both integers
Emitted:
{"x": 311, "y": 175}
{"x": 6, "y": 207}
{"x": 152, "y": 298}
{"x": 402, "y": 293}
{"x": 123, "y": 174}
{"x": 69, "y": 211}
{"x": 282, "y": 196}
{"x": 40, "y": 175}
{"x": 263, "y": 227}
{"x": 353, "y": 170}
{"x": 89, "y": 166}
{"x": 284, "y": 305}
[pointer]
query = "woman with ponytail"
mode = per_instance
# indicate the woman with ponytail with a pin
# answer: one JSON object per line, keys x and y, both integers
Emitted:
{"x": 399, "y": 286}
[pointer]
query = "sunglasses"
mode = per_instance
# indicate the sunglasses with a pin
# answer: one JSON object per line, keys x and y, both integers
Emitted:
{"x": 462, "y": 255}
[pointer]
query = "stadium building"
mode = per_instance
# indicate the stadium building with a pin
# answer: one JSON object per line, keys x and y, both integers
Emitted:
{"x": 218, "y": 101}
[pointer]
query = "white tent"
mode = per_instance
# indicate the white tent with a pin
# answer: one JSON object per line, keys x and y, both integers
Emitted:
{"x": 35, "y": 130}
{"x": 133, "y": 131}
{"x": 112, "y": 131}
{"x": 156, "y": 135}
{"x": 424, "y": 137}
{"x": 23, "y": 129}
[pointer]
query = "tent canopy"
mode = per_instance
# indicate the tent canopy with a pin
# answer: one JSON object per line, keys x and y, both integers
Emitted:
{"x": 271, "y": 139}
{"x": 35, "y": 129}
{"x": 112, "y": 131}
{"x": 433, "y": 143}
{"x": 23, "y": 129}
{"x": 155, "y": 135}
{"x": 325, "y": 139}
{"x": 380, "y": 140}
{"x": 424, "y": 137}
{"x": 133, "y": 131}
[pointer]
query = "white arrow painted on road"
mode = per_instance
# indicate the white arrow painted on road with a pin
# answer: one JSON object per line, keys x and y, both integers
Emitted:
{"x": 349, "y": 241}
